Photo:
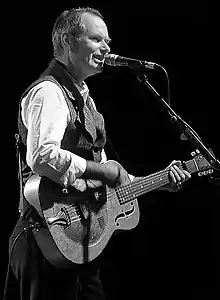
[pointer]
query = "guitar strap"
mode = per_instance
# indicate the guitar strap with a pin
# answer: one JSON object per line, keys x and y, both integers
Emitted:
{"x": 24, "y": 206}
{"x": 18, "y": 155}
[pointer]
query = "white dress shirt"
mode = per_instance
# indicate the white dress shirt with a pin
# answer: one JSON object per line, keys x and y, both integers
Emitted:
{"x": 45, "y": 114}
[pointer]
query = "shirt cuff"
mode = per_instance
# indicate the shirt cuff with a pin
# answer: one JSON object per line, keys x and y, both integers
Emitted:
{"x": 74, "y": 171}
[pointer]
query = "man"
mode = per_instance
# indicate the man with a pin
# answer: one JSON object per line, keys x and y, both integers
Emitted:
{"x": 62, "y": 139}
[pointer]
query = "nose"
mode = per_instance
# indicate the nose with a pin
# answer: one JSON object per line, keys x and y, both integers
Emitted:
{"x": 105, "y": 49}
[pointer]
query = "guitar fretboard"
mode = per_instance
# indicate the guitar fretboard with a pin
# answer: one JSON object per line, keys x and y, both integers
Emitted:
{"x": 146, "y": 184}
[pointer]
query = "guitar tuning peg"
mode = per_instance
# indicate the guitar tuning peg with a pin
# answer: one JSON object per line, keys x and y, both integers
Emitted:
{"x": 206, "y": 172}
{"x": 193, "y": 153}
{"x": 200, "y": 174}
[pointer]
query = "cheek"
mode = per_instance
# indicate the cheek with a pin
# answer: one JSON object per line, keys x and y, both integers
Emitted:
{"x": 85, "y": 53}
{"x": 87, "y": 48}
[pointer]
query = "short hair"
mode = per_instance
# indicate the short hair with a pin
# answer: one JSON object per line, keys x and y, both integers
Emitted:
{"x": 69, "y": 21}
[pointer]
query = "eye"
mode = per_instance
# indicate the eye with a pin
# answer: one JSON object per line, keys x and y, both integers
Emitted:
{"x": 96, "y": 39}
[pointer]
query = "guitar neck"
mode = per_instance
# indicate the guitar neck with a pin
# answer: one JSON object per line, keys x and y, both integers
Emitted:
{"x": 149, "y": 183}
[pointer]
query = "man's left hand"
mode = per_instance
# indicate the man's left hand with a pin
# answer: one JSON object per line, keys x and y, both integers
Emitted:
{"x": 177, "y": 177}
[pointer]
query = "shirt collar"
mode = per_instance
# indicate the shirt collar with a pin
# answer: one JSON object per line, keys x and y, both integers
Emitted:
{"x": 83, "y": 89}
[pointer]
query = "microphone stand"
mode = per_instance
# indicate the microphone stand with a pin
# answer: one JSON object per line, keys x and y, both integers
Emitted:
{"x": 186, "y": 130}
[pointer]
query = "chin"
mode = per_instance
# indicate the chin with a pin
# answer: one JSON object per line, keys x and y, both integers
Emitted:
{"x": 94, "y": 69}
{"x": 98, "y": 69}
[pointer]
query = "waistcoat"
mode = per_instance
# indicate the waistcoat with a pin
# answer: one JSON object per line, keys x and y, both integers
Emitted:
{"x": 77, "y": 138}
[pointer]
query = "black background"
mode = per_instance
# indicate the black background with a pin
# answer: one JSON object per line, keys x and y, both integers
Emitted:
{"x": 174, "y": 248}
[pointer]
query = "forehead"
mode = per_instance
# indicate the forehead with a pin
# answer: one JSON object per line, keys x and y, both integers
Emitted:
{"x": 94, "y": 24}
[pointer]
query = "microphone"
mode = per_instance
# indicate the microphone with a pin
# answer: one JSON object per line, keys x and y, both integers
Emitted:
{"x": 116, "y": 60}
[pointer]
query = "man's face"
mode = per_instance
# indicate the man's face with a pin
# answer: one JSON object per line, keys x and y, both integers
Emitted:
{"x": 92, "y": 46}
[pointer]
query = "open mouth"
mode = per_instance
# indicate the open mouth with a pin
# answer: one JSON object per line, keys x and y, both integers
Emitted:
{"x": 98, "y": 59}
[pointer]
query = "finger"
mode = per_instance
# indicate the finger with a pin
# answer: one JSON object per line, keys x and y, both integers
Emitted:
{"x": 187, "y": 174}
{"x": 174, "y": 175}
{"x": 180, "y": 173}
{"x": 174, "y": 162}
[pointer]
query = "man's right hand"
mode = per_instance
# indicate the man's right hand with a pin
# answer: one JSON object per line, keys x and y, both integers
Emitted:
{"x": 110, "y": 173}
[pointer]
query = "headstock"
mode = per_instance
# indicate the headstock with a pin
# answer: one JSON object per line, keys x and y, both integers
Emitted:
{"x": 202, "y": 164}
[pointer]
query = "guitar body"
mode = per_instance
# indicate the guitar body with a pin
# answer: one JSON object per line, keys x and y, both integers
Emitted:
{"x": 78, "y": 225}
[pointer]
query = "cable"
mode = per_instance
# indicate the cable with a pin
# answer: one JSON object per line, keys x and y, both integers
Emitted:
{"x": 25, "y": 229}
{"x": 168, "y": 84}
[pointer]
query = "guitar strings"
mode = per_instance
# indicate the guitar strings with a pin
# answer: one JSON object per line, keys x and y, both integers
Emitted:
{"x": 126, "y": 192}
{"x": 136, "y": 188}
{"x": 129, "y": 195}
{"x": 139, "y": 186}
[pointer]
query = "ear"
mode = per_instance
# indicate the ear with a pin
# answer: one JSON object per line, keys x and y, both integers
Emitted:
{"x": 68, "y": 42}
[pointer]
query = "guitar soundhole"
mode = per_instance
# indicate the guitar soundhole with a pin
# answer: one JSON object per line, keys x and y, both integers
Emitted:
{"x": 77, "y": 231}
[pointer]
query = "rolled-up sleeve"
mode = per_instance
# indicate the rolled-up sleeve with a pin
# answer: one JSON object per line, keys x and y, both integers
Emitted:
{"x": 46, "y": 115}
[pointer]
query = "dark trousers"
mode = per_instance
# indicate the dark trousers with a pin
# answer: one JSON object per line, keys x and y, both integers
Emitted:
{"x": 32, "y": 277}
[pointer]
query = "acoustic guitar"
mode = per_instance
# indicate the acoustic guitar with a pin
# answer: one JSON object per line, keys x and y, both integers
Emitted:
{"x": 76, "y": 226}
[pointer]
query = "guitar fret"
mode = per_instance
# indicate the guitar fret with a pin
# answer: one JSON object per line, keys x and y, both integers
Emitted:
{"x": 191, "y": 166}
{"x": 135, "y": 189}
{"x": 145, "y": 184}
